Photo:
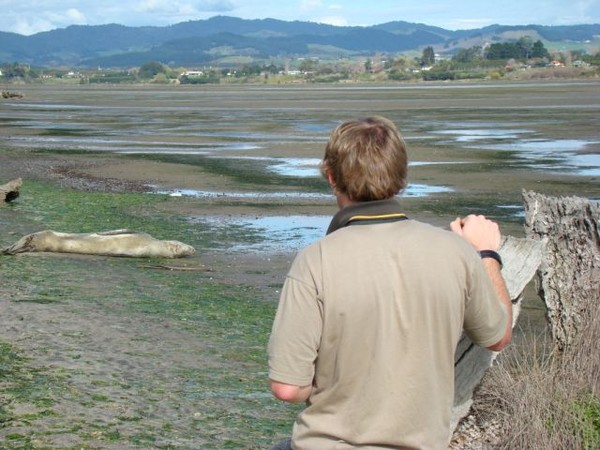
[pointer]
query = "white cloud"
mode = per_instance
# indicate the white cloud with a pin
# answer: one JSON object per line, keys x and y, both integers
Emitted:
{"x": 68, "y": 17}
{"x": 580, "y": 12}
{"x": 28, "y": 24}
{"x": 181, "y": 9}
{"x": 336, "y": 10}
{"x": 75, "y": 15}
{"x": 33, "y": 16}
{"x": 333, "y": 20}
{"x": 149, "y": 5}
{"x": 468, "y": 24}
{"x": 310, "y": 5}
{"x": 27, "y": 27}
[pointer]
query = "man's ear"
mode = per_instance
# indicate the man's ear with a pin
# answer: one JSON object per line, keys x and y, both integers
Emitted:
{"x": 330, "y": 178}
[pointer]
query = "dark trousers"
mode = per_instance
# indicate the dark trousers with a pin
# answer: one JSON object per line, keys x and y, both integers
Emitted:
{"x": 283, "y": 445}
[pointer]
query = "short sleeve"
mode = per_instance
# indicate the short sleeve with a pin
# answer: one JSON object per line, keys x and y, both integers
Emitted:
{"x": 297, "y": 328}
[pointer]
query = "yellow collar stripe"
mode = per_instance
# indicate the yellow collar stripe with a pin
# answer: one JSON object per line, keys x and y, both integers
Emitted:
{"x": 378, "y": 217}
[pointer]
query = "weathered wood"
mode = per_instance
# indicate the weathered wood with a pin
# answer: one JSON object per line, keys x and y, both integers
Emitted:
{"x": 521, "y": 258}
{"x": 569, "y": 275}
{"x": 10, "y": 190}
{"x": 9, "y": 94}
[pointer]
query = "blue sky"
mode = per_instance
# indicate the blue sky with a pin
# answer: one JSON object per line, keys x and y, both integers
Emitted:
{"x": 29, "y": 17}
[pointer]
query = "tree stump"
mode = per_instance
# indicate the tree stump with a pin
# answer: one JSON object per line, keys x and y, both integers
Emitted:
{"x": 569, "y": 274}
{"x": 10, "y": 190}
{"x": 521, "y": 258}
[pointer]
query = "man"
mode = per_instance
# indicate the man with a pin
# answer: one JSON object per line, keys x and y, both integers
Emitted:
{"x": 370, "y": 315}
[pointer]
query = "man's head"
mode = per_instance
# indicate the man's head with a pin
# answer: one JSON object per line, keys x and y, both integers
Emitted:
{"x": 366, "y": 159}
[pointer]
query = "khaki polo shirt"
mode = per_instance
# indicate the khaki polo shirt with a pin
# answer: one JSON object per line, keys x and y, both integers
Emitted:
{"x": 370, "y": 315}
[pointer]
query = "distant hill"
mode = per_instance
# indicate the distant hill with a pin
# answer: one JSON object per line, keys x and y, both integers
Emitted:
{"x": 208, "y": 41}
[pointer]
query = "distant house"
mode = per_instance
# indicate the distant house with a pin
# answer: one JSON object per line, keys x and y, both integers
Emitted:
{"x": 577, "y": 63}
{"x": 192, "y": 73}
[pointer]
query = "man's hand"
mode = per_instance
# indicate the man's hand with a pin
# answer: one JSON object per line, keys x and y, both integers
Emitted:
{"x": 481, "y": 233}
{"x": 484, "y": 234}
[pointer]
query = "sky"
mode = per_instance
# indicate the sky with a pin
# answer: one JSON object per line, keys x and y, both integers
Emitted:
{"x": 33, "y": 16}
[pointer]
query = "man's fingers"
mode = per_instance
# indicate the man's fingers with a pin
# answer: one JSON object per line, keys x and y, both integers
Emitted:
{"x": 456, "y": 225}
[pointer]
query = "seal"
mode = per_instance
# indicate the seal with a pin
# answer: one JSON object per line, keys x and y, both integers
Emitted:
{"x": 108, "y": 243}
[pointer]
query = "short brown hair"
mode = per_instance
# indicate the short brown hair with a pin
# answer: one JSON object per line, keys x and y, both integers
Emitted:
{"x": 367, "y": 159}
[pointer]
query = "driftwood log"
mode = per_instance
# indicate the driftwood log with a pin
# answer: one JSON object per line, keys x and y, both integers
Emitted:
{"x": 521, "y": 258}
{"x": 10, "y": 190}
{"x": 569, "y": 275}
{"x": 9, "y": 94}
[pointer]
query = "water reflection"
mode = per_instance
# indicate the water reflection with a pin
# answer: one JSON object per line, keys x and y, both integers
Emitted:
{"x": 546, "y": 154}
{"x": 563, "y": 155}
{"x": 272, "y": 233}
{"x": 126, "y": 146}
{"x": 517, "y": 210}
{"x": 470, "y": 135}
{"x": 413, "y": 190}
{"x": 312, "y": 127}
{"x": 246, "y": 195}
{"x": 542, "y": 147}
{"x": 297, "y": 167}
{"x": 309, "y": 167}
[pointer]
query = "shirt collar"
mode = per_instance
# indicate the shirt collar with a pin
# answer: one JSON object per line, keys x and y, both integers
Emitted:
{"x": 366, "y": 212}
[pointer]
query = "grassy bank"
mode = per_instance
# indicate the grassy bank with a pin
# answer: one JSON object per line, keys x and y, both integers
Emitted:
{"x": 225, "y": 384}
{"x": 547, "y": 400}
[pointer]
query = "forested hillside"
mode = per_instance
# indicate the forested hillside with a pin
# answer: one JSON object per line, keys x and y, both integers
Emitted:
{"x": 210, "y": 41}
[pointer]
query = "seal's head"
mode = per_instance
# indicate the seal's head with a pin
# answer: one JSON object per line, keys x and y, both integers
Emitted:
{"x": 180, "y": 249}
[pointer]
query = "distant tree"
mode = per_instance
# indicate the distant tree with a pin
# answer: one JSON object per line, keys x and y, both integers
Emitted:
{"x": 443, "y": 71}
{"x": 160, "y": 78}
{"x": 467, "y": 55}
{"x": 150, "y": 69}
{"x": 326, "y": 69}
{"x": 309, "y": 65}
{"x": 397, "y": 69}
{"x": 399, "y": 75}
{"x": 16, "y": 70}
{"x": 593, "y": 59}
{"x": 428, "y": 56}
{"x": 501, "y": 50}
{"x": 539, "y": 51}
{"x": 523, "y": 49}
{"x": 398, "y": 63}
{"x": 273, "y": 69}
{"x": 249, "y": 70}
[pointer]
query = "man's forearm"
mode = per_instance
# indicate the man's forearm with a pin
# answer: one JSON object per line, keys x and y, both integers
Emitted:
{"x": 493, "y": 270}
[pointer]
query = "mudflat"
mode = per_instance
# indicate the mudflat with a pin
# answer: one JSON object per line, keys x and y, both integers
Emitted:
{"x": 118, "y": 353}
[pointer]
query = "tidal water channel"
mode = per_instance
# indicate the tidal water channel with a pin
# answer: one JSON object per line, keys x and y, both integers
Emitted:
{"x": 470, "y": 146}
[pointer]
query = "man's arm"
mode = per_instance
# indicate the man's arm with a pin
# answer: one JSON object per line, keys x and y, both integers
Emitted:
{"x": 484, "y": 234}
{"x": 290, "y": 393}
{"x": 493, "y": 270}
